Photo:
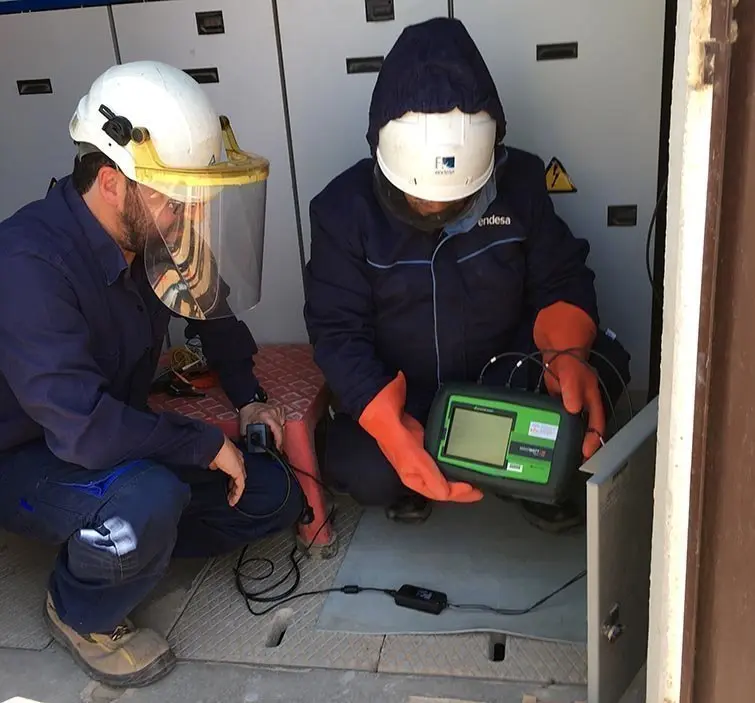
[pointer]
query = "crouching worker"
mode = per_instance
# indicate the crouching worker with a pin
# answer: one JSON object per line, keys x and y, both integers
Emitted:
{"x": 90, "y": 277}
{"x": 440, "y": 252}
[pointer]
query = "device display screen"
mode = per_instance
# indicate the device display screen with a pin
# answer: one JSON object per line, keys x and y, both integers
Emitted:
{"x": 479, "y": 436}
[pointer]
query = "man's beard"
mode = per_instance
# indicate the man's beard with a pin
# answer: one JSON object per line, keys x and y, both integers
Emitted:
{"x": 138, "y": 224}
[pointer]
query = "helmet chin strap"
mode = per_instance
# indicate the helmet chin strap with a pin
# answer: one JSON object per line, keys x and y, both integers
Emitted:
{"x": 394, "y": 202}
{"x": 452, "y": 220}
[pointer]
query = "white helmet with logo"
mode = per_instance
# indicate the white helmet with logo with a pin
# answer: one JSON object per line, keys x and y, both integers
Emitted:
{"x": 159, "y": 127}
{"x": 440, "y": 157}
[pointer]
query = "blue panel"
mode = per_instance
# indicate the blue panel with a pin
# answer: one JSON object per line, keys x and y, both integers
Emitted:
{"x": 8, "y": 7}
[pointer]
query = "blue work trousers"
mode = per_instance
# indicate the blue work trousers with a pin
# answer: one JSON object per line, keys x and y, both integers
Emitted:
{"x": 119, "y": 528}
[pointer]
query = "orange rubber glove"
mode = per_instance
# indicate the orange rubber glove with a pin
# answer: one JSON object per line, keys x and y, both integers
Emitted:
{"x": 564, "y": 326}
{"x": 400, "y": 438}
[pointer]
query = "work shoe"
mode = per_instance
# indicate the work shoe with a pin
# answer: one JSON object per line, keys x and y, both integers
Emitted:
{"x": 125, "y": 658}
{"x": 412, "y": 510}
{"x": 556, "y": 519}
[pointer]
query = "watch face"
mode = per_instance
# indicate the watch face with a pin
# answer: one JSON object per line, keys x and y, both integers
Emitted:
{"x": 260, "y": 396}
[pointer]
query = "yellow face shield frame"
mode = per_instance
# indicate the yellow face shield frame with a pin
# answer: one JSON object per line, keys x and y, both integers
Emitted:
{"x": 241, "y": 168}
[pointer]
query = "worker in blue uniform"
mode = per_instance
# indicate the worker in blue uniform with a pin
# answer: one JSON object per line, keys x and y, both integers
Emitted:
{"x": 153, "y": 221}
{"x": 431, "y": 257}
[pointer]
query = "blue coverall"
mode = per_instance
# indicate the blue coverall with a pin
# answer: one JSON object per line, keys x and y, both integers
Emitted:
{"x": 83, "y": 462}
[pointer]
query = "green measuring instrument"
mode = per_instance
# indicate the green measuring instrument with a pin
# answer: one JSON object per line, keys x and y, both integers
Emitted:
{"x": 518, "y": 443}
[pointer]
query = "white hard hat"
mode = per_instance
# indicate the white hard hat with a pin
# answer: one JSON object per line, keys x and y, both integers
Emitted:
{"x": 182, "y": 123}
{"x": 206, "y": 196}
{"x": 440, "y": 157}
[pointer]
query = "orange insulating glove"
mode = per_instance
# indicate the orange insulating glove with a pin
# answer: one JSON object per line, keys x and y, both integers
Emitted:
{"x": 563, "y": 326}
{"x": 400, "y": 438}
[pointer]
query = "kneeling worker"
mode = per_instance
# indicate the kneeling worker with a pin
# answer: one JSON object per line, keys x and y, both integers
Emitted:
{"x": 427, "y": 260}
{"x": 90, "y": 277}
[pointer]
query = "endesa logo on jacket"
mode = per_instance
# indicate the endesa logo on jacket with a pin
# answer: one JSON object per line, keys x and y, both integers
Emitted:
{"x": 494, "y": 220}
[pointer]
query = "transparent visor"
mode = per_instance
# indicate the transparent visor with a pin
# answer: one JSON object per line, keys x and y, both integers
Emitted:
{"x": 395, "y": 202}
{"x": 205, "y": 229}
{"x": 203, "y": 257}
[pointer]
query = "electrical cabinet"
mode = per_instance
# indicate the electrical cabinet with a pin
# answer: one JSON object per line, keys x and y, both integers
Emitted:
{"x": 332, "y": 52}
{"x": 48, "y": 60}
{"x": 13, "y": 6}
{"x": 581, "y": 82}
{"x": 229, "y": 46}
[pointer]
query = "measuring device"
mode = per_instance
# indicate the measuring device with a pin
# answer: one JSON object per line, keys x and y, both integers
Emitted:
{"x": 522, "y": 444}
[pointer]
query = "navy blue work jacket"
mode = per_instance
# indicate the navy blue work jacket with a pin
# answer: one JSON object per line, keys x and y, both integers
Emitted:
{"x": 382, "y": 297}
{"x": 80, "y": 337}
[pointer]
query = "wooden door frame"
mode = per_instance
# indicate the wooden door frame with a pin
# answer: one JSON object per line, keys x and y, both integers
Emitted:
{"x": 717, "y": 639}
{"x": 718, "y": 64}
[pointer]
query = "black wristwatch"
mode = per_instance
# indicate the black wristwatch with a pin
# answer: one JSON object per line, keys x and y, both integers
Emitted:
{"x": 259, "y": 397}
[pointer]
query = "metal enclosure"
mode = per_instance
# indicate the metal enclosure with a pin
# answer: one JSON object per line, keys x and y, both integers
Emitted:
{"x": 619, "y": 536}
{"x": 240, "y": 72}
{"x": 331, "y": 56}
{"x": 47, "y": 61}
{"x": 596, "y": 108}
{"x": 597, "y": 113}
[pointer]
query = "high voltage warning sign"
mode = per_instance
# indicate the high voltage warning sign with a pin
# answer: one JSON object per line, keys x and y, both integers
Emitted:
{"x": 557, "y": 180}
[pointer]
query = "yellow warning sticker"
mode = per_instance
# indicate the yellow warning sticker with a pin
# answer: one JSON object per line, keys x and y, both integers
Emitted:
{"x": 557, "y": 180}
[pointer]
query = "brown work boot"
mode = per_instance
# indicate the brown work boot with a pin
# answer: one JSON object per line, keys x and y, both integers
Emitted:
{"x": 126, "y": 658}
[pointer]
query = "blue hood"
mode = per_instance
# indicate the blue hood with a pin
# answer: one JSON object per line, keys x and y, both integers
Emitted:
{"x": 434, "y": 66}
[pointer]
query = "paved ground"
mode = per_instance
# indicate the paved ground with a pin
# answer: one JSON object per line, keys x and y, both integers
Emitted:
{"x": 232, "y": 664}
{"x": 50, "y": 677}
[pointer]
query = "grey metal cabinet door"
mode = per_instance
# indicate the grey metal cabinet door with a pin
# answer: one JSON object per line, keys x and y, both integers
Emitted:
{"x": 331, "y": 55}
{"x": 48, "y": 60}
{"x": 581, "y": 82}
{"x": 619, "y": 539}
{"x": 230, "y": 47}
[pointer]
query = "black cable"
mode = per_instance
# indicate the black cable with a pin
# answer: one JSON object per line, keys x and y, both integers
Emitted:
{"x": 546, "y": 369}
{"x": 288, "y": 595}
{"x": 619, "y": 376}
{"x": 573, "y": 353}
{"x": 498, "y": 357}
{"x": 522, "y": 611}
{"x": 286, "y": 468}
{"x": 648, "y": 241}
{"x": 348, "y": 590}
{"x": 533, "y": 356}
{"x": 625, "y": 392}
{"x": 261, "y": 595}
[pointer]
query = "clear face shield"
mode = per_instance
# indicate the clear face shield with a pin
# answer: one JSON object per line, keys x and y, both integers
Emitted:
{"x": 395, "y": 202}
{"x": 203, "y": 256}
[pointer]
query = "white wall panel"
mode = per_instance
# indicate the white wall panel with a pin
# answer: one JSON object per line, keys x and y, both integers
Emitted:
{"x": 599, "y": 114}
{"x": 68, "y": 48}
{"x": 249, "y": 92}
{"x": 328, "y": 106}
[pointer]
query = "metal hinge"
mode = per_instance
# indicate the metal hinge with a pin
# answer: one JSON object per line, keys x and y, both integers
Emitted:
{"x": 719, "y": 45}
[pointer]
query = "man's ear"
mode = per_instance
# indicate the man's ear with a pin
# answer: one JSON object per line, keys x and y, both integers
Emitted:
{"x": 112, "y": 186}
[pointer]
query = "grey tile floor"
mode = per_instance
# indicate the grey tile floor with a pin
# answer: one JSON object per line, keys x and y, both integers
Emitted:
{"x": 226, "y": 655}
